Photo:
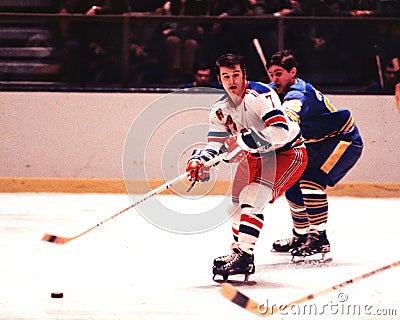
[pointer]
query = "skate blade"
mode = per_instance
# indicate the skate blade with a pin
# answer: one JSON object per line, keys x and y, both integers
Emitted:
{"x": 222, "y": 278}
{"x": 315, "y": 259}
{"x": 283, "y": 253}
{"x": 236, "y": 282}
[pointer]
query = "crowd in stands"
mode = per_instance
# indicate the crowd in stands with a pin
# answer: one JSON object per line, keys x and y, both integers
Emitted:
{"x": 169, "y": 53}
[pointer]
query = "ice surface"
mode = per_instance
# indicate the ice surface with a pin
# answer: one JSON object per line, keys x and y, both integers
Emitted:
{"x": 130, "y": 269}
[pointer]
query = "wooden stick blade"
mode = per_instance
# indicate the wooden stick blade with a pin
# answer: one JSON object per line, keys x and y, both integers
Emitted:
{"x": 243, "y": 301}
{"x": 55, "y": 239}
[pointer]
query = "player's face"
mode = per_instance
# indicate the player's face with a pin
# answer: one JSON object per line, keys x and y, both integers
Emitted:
{"x": 233, "y": 80}
{"x": 203, "y": 77}
{"x": 282, "y": 78}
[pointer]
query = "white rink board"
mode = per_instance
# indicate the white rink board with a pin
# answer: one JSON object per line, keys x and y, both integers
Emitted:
{"x": 82, "y": 135}
{"x": 130, "y": 269}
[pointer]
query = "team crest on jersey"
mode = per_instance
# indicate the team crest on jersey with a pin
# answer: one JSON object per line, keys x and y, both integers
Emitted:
{"x": 292, "y": 109}
{"x": 294, "y": 105}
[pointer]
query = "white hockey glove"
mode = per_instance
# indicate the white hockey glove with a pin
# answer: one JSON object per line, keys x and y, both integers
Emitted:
{"x": 235, "y": 152}
{"x": 240, "y": 146}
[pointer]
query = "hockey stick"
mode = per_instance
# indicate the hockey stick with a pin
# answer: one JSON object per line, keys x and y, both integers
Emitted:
{"x": 62, "y": 240}
{"x": 229, "y": 292}
{"x": 379, "y": 66}
{"x": 260, "y": 53}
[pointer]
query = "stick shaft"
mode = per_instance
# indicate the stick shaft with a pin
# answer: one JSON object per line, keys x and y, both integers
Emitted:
{"x": 345, "y": 283}
{"x": 379, "y": 66}
{"x": 150, "y": 194}
{"x": 165, "y": 186}
{"x": 260, "y": 53}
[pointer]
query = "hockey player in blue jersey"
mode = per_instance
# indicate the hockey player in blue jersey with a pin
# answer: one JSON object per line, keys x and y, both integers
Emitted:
{"x": 333, "y": 145}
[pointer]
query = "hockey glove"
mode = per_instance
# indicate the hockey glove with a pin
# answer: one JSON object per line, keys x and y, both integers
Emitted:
{"x": 195, "y": 166}
{"x": 240, "y": 146}
{"x": 235, "y": 153}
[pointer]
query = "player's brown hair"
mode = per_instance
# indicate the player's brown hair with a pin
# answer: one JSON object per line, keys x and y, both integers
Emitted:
{"x": 229, "y": 60}
{"x": 284, "y": 59}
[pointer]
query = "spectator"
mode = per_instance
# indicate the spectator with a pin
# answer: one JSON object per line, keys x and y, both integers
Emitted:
{"x": 183, "y": 41}
{"x": 391, "y": 77}
{"x": 202, "y": 78}
{"x": 291, "y": 8}
{"x": 297, "y": 34}
{"x": 314, "y": 43}
{"x": 353, "y": 8}
{"x": 146, "y": 44}
{"x": 388, "y": 33}
{"x": 267, "y": 34}
{"x": 256, "y": 7}
{"x": 355, "y": 45}
{"x": 148, "y": 6}
{"x": 89, "y": 52}
{"x": 229, "y": 37}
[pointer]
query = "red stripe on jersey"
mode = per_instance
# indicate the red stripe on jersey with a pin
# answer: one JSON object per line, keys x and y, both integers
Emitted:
{"x": 275, "y": 119}
{"x": 251, "y": 220}
{"x": 216, "y": 139}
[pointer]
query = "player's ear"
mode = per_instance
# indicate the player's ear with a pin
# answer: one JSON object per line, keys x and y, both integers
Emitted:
{"x": 293, "y": 72}
{"x": 219, "y": 79}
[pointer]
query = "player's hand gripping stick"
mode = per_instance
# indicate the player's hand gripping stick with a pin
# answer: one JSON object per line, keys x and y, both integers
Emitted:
{"x": 234, "y": 150}
{"x": 198, "y": 171}
{"x": 198, "y": 166}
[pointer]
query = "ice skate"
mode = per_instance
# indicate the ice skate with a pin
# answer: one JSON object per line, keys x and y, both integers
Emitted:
{"x": 288, "y": 244}
{"x": 220, "y": 261}
{"x": 238, "y": 262}
{"x": 314, "y": 250}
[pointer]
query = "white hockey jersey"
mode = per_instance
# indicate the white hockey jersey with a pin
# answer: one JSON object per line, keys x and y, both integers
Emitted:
{"x": 258, "y": 118}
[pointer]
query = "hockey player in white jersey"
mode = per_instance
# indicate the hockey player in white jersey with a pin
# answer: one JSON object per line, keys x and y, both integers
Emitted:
{"x": 248, "y": 125}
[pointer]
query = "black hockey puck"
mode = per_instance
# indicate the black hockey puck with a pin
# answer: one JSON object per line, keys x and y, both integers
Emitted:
{"x": 57, "y": 295}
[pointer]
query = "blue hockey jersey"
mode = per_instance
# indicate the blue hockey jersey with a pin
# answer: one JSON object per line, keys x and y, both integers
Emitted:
{"x": 332, "y": 138}
{"x": 318, "y": 118}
